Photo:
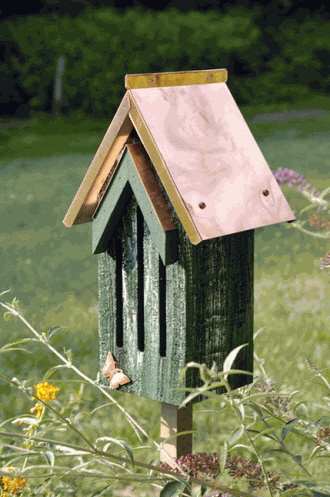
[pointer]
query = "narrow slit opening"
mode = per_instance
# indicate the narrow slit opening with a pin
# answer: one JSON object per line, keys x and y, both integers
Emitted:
{"x": 119, "y": 293}
{"x": 140, "y": 289}
{"x": 162, "y": 308}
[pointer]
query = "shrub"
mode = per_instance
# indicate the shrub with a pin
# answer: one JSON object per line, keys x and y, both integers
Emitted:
{"x": 100, "y": 46}
{"x": 267, "y": 63}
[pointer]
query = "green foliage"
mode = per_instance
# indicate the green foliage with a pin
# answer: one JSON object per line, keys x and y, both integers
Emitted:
{"x": 100, "y": 46}
{"x": 300, "y": 62}
{"x": 172, "y": 489}
{"x": 52, "y": 272}
{"x": 272, "y": 63}
{"x": 267, "y": 428}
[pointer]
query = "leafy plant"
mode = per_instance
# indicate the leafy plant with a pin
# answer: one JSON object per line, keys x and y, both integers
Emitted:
{"x": 45, "y": 450}
{"x": 313, "y": 219}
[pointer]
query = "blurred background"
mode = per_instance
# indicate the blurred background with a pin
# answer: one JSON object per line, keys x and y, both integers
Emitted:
{"x": 61, "y": 78}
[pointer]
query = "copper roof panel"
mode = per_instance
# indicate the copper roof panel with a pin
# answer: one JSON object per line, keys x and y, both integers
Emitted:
{"x": 212, "y": 158}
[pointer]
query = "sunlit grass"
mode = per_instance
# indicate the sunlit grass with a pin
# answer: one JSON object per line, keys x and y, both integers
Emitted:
{"x": 52, "y": 271}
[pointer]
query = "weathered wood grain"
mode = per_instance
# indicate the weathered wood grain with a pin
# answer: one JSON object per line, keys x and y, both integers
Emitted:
{"x": 152, "y": 364}
{"x": 172, "y": 422}
{"x": 130, "y": 357}
{"x": 219, "y": 301}
{"x": 178, "y": 78}
{"x": 107, "y": 307}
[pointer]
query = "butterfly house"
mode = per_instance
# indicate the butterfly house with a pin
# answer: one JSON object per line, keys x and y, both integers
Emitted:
{"x": 174, "y": 193}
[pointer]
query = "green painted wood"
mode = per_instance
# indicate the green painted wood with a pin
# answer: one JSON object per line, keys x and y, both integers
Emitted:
{"x": 152, "y": 364}
{"x": 176, "y": 325}
{"x": 109, "y": 213}
{"x": 107, "y": 307}
{"x": 219, "y": 301}
{"x": 126, "y": 181}
{"x": 129, "y": 356}
{"x": 209, "y": 308}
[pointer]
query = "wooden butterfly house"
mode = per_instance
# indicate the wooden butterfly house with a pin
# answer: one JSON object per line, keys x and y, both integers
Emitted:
{"x": 174, "y": 193}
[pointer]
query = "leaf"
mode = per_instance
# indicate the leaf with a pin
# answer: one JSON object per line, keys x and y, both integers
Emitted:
{"x": 223, "y": 457}
{"x": 197, "y": 491}
{"x": 52, "y": 370}
{"x": 52, "y": 331}
{"x": 121, "y": 443}
{"x": 192, "y": 395}
{"x": 288, "y": 427}
{"x": 172, "y": 489}
{"x": 18, "y": 342}
{"x": 242, "y": 446}
{"x": 291, "y": 491}
{"x": 102, "y": 406}
{"x": 101, "y": 492}
{"x": 263, "y": 433}
{"x": 241, "y": 409}
{"x": 14, "y": 349}
{"x": 314, "y": 452}
{"x": 49, "y": 455}
{"x": 257, "y": 333}
{"x": 297, "y": 458}
{"x": 236, "y": 435}
{"x": 324, "y": 421}
{"x": 25, "y": 421}
{"x": 4, "y": 292}
{"x": 229, "y": 361}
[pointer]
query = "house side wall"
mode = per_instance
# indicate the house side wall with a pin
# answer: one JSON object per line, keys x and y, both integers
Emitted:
{"x": 219, "y": 300}
{"x": 208, "y": 309}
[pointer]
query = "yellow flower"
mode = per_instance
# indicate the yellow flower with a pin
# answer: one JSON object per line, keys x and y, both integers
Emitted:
{"x": 38, "y": 409}
{"x": 11, "y": 485}
{"x": 46, "y": 391}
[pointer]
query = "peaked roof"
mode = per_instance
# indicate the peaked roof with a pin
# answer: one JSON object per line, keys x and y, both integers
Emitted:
{"x": 203, "y": 152}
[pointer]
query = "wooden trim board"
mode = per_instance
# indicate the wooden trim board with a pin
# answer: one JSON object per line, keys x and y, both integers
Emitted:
{"x": 85, "y": 201}
{"x": 178, "y": 78}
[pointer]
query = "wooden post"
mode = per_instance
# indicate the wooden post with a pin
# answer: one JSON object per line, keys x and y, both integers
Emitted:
{"x": 173, "y": 421}
{"x": 58, "y": 85}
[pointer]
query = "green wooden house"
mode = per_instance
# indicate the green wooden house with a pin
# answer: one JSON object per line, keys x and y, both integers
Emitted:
{"x": 174, "y": 193}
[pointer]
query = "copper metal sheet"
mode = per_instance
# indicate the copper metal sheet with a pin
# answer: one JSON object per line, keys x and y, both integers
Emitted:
{"x": 212, "y": 157}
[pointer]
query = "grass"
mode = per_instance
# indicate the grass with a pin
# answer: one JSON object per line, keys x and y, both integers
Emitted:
{"x": 51, "y": 270}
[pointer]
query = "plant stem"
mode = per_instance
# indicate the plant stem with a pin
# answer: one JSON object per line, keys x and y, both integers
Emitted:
{"x": 123, "y": 460}
{"x": 41, "y": 338}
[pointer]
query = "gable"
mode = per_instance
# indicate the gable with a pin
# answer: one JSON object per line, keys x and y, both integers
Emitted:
{"x": 134, "y": 176}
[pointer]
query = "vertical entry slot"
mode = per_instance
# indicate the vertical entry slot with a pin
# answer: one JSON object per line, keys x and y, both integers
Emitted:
{"x": 140, "y": 278}
{"x": 162, "y": 308}
{"x": 119, "y": 293}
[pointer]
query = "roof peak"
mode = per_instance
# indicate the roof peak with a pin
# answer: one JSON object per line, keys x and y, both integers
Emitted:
{"x": 175, "y": 78}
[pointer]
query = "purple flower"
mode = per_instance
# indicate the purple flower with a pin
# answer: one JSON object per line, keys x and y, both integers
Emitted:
{"x": 202, "y": 464}
{"x": 290, "y": 177}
